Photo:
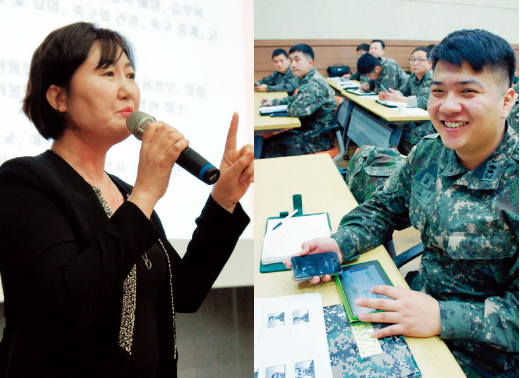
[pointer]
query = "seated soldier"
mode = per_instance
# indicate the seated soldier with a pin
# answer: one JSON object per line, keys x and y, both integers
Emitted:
{"x": 415, "y": 92}
{"x": 281, "y": 80}
{"x": 459, "y": 188}
{"x": 314, "y": 105}
{"x": 383, "y": 72}
{"x": 360, "y": 50}
{"x": 377, "y": 48}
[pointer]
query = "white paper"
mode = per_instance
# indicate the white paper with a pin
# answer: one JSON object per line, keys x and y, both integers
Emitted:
{"x": 290, "y": 337}
{"x": 415, "y": 111}
{"x": 272, "y": 109}
{"x": 287, "y": 239}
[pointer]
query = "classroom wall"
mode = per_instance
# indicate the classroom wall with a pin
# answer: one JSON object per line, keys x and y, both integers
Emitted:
{"x": 383, "y": 19}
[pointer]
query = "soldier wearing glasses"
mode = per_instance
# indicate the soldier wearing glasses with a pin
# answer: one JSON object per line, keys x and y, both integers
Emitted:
{"x": 415, "y": 92}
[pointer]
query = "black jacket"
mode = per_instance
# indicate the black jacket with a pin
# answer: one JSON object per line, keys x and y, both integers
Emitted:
{"x": 63, "y": 263}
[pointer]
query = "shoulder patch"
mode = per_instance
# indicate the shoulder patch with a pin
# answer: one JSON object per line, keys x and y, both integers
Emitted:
{"x": 384, "y": 71}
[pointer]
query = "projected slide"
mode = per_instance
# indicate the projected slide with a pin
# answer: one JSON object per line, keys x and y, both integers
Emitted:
{"x": 190, "y": 68}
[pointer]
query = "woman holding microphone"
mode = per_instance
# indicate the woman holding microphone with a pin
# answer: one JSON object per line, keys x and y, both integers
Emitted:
{"x": 91, "y": 282}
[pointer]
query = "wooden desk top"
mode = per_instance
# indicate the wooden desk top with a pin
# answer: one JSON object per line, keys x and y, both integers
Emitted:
{"x": 266, "y": 123}
{"x": 389, "y": 114}
{"x": 316, "y": 178}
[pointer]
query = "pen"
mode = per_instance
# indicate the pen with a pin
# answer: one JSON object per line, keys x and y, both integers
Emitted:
{"x": 284, "y": 219}
{"x": 383, "y": 87}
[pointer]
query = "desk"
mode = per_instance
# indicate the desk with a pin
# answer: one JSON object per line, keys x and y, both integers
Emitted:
{"x": 365, "y": 128}
{"x": 316, "y": 178}
{"x": 266, "y": 123}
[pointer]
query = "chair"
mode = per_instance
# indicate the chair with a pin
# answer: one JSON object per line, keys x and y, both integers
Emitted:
{"x": 339, "y": 122}
{"x": 408, "y": 255}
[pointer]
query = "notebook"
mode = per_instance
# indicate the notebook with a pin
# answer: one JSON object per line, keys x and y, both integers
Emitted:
{"x": 287, "y": 239}
{"x": 268, "y": 110}
{"x": 395, "y": 360}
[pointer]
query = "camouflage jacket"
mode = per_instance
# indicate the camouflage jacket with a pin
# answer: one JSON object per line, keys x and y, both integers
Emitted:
{"x": 314, "y": 105}
{"x": 279, "y": 82}
{"x": 513, "y": 116}
{"x": 469, "y": 227}
{"x": 417, "y": 91}
{"x": 369, "y": 168}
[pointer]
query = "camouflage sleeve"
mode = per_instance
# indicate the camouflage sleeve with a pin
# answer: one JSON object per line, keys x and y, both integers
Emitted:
{"x": 355, "y": 76}
{"x": 391, "y": 77}
{"x": 269, "y": 80}
{"x": 289, "y": 84}
{"x": 405, "y": 89}
{"x": 283, "y": 101}
{"x": 365, "y": 227}
{"x": 423, "y": 94}
{"x": 493, "y": 322}
{"x": 309, "y": 98}
{"x": 364, "y": 79}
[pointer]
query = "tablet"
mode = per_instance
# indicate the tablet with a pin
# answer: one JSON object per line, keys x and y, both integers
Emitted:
{"x": 356, "y": 281}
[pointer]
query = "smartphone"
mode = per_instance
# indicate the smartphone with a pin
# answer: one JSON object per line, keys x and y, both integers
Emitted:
{"x": 319, "y": 264}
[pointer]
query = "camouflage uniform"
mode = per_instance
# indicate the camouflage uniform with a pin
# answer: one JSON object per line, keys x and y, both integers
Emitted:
{"x": 357, "y": 76}
{"x": 314, "y": 105}
{"x": 279, "y": 82}
{"x": 418, "y": 93}
{"x": 513, "y": 116}
{"x": 369, "y": 168}
{"x": 391, "y": 76}
{"x": 469, "y": 227}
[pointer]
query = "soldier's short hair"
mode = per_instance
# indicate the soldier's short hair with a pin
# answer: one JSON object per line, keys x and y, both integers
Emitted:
{"x": 364, "y": 46}
{"x": 425, "y": 49}
{"x": 279, "y": 52}
{"x": 378, "y": 40}
{"x": 480, "y": 49}
{"x": 367, "y": 64}
{"x": 304, "y": 49}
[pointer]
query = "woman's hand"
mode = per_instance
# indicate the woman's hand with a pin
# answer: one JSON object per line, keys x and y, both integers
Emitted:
{"x": 318, "y": 245}
{"x": 236, "y": 171}
{"x": 161, "y": 147}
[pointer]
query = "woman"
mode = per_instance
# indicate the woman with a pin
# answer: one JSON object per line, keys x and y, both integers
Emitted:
{"x": 91, "y": 283}
{"x": 415, "y": 92}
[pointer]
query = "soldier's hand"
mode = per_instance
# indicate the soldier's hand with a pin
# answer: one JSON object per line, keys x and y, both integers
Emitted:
{"x": 382, "y": 96}
{"x": 261, "y": 88}
{"x": 318, "y": 245}
{"x": 266, "y": 102}
{"x": 365, "y": 87}
{"x": 395, "y": 96}
{"x": 346, "y": 76}
{"x": 412, "y": 312}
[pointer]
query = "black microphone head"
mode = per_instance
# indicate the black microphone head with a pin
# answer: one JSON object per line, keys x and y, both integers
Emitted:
{"x": 137, "y": 122}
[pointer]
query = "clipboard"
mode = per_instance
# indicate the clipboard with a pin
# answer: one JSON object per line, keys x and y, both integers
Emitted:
{"x": 297, "y": 205}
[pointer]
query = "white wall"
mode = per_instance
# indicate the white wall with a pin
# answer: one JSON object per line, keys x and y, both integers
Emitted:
{"x": 383, "y": 19}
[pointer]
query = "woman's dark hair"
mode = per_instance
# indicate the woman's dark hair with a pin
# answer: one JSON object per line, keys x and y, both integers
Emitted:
{"x": 56, "y": 60}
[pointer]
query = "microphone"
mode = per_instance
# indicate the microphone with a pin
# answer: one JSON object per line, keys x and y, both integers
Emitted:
{"x": 188, "y": 159}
